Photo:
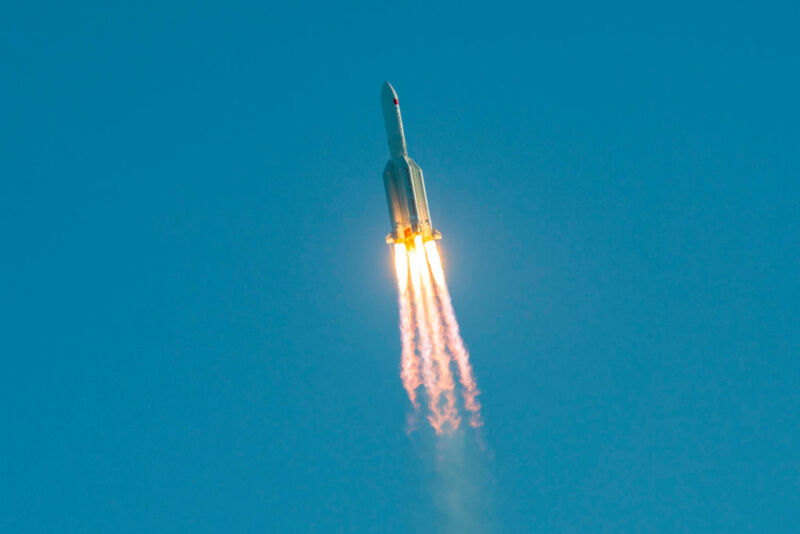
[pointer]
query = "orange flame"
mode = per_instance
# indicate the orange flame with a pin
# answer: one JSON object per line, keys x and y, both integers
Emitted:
{"x": 448, "y": 412}
{"x": 409, "y": 366}
{"x": 416, "y": 262}
{"x": 427, "y": 311}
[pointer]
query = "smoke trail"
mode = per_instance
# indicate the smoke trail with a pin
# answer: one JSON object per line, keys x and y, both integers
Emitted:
{"x": 454, "y": 341}
{"x": 461, "y": 486}
{"x": 409, "y": 367}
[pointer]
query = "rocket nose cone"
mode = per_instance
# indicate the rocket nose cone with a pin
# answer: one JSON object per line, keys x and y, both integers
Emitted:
{"x": 387, "y": 94}
{"x": 393, "y": 121}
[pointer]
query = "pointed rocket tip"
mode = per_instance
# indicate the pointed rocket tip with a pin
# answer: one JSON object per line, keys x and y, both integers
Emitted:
{"x": 392, "y": 121}
{"x": 388, "y": 94}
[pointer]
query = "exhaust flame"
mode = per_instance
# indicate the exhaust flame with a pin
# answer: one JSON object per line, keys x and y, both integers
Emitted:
{"x": 423, "y": 333}
{"x": 454, "y": 341}
{"x": 445, "y": 385}
{"x": 430, "y": 338}
{"x": 409, "y": 367}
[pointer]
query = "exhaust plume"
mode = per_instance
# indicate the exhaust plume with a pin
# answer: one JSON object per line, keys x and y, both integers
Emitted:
{"x": 409, "y": 366}
{"x": 454, "y": 341}
{"x": 430, "y": 338}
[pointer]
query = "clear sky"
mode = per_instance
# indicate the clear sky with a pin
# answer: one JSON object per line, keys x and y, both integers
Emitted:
{"x": 198, "y": 317}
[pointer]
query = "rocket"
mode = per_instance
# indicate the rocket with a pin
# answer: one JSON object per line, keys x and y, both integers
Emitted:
{"x": 402, "y": 177}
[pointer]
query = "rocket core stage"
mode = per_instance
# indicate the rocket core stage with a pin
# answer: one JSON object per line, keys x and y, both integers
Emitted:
{"x": 402, "y": 177}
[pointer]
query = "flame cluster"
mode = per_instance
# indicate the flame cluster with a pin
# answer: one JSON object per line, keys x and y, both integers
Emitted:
{"x": 430, "y": 338}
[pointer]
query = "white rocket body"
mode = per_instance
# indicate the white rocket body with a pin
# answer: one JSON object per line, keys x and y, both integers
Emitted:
{"x": 402, "y": 177}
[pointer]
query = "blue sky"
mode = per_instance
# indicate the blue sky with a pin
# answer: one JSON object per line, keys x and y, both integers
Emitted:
{"x": 199, "y": 324}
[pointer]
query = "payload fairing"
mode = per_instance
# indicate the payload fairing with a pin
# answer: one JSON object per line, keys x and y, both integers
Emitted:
{"x": 402, "y": 177}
